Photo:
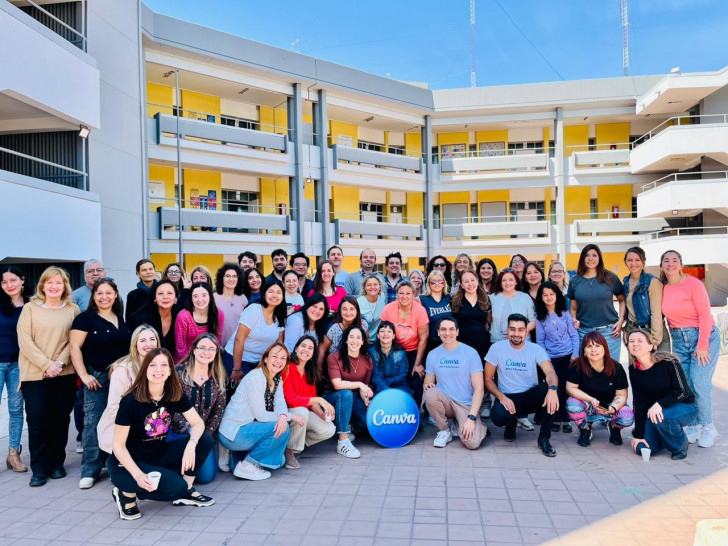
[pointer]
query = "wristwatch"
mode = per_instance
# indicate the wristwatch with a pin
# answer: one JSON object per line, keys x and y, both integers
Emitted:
{"x": 553, "y": 387}
{"x": 472, "y": 417}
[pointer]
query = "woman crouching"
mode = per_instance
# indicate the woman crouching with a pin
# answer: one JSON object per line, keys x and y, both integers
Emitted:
{"x": 140, "y": 448}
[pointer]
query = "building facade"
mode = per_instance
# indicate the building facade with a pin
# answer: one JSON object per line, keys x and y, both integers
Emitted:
{"x": 282, "y": 150}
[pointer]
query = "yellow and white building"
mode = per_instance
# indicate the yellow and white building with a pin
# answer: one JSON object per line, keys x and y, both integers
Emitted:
{"x": 278, "y": 149}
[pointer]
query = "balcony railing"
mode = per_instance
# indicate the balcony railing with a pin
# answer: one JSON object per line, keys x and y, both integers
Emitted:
{"x": 42, "y": 169}
{"x": 684, "y": 177}
{"x": 705, "y": 119}
{"x": 601, "y": 156}
{"x": 500, "y": 160}
{"x": 344, "y": 229}
{"x": 211, "y": 220}
{"x": 377, "y": 159}
{"x": 709, "y": 231}
{"x": 56, "y": 24}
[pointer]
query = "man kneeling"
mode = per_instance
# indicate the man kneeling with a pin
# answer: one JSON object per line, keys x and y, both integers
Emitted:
{"x": 519, "y": 391}
{"x": 454, "y": 387}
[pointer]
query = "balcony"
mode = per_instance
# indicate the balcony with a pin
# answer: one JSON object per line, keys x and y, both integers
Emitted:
{"x": 45, "y": 72}
{"x": 684, "y": 195}
{"x": 381, "y": 170}
{"x": 608, "y": 230}
{"x": 516, "y": 168}
{"x": 705, "y": 245}
{"x": 355, "y": 236}
{"x": 211, "y": 145}
{"x": 680, "y": 143}
{"x": 478, "y": 237}
{"x": 66, "y": 222}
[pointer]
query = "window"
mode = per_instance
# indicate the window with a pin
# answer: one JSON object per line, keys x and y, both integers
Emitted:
{"x": 553, "y": 213}
{"x": 532, "y": 211}
{"x": 535, "y": 147}
{"x": 396, "y": 150}
{"x": 593, "y": 209}
{"x": 592, "y": 145}
{"x": 239, "y": 122}
{"x": 371, "y": 146}
{"x": 371, "y": 212}
{"x": 239, "y": 201}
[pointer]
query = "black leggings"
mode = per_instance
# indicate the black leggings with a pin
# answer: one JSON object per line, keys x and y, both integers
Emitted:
{"x": 169, "y": 463}
{"x": 414, "y": 380}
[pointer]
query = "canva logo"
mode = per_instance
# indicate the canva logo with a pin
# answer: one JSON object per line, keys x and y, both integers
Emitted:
{"x": 393, "y": 418}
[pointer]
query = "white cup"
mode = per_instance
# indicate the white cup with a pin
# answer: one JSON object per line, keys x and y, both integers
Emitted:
{"x": 154, "y": 477}
{"x": 646, "y": 452}
{"x": 328, "y": 418}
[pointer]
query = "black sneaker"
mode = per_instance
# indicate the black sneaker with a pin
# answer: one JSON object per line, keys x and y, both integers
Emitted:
{"x": 121, "y": 500}
{"x": 615, "y": 435}
{"x": 546, "y": 447}
{"x": 193, "y": 498}
{"x": 510, "y": 434}
{"x": 555, "y": 426}
{"x": 567, "y": 428}
{"x": 680, "y": 455}
{"x": 585, "y": 436}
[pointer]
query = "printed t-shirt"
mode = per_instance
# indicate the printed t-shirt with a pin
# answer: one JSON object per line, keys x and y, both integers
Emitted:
{"x": 406, "y": 330}
{"x": 452, "y": 371}
{"x": 600, "y": 385}
{"x": 517, "y": 369}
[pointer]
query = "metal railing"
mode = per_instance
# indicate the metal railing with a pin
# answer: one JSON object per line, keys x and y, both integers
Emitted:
{"x": 611, "y": 147}
{"x": 676, "y": 177}
{"x": 703, "y": 119}
{"x": 171, "y": 110}
{"x": 76, "y": 179}
{"x": 482, "y": 154}
{"x": 81, "y": 35}
{"x": 689, "y": 232}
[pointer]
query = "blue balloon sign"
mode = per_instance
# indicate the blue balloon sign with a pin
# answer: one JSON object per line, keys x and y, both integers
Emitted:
{"x": 393, "y": 418}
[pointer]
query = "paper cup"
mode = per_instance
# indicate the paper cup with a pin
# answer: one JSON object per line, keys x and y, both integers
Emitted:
{"x": 328, "y": 418}
{"x": 154, "y": 477}
{"x": 646, "y": 452}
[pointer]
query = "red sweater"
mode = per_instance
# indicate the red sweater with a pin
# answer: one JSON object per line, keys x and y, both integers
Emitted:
{"x": 296, "y": 388}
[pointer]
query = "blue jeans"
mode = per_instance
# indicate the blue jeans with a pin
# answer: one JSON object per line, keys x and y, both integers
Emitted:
{"x": 614, "y": 343}
{"x": 207, "y": 472}
{"x": 10, "y": 377}
{"x": 257, "y": 438}
{"x": 94, "y": 404}
{"x": 669, "y": 434}
{"x": 350, "y": 408}
{"x": 700, "y": 378}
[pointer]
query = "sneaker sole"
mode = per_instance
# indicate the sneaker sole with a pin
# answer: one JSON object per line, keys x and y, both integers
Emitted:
{"x": 251, "y": 477}
{"x": 349, "y": 455}
{"x": 443, "y": 445}
{"x": 190, "y": 502}
{"x": 86, "y": 485}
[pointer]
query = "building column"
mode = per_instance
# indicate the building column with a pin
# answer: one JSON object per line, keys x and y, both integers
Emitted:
{"x": 295, "y": 137}
{"x": 560, "y": 175}
{"x": 429, "y": 185}
{"x": 320, "y": 129}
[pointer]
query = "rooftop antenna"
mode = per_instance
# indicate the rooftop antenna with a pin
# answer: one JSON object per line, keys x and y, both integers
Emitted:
{"x": 625, "y": 38}
{"x": 472, "y": 43}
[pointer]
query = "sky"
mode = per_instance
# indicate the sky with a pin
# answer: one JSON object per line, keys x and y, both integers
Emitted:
{"x": 516, "y": 41}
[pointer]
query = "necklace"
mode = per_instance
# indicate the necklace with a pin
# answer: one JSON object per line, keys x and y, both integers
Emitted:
{"x": 355, "y": 366}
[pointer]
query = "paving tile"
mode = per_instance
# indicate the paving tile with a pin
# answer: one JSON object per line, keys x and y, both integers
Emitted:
{"x": 429, "y": 532}
{"x": 394, "y": 530}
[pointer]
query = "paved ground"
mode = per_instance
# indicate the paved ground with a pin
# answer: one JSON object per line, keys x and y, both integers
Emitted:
{"x": 500, "y": 494}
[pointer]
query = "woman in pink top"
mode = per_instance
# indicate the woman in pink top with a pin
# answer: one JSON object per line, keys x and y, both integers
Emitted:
{"x": 411, "y": 331}
{"x": 324, "y": 283}
{"x": 695, "y": 339}
{"x": 200, "y": 316}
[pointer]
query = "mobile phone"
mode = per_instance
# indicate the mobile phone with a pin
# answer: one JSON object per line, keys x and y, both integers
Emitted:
{"x": 603, "y": 408}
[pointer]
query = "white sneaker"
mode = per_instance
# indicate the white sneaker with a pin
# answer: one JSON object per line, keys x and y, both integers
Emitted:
{"x": 86, "y": 483}
{"x": 346, "y": 449}
{"x": 79, "y": 447}
{"x": 525, "y": 424}
{"x": 443, "y": 438}
{"x": 693, "y": 433}
{"x": 707, "y": 436}
{"x": 249, "y": 471}
{"x": 223, "y": 459}
{"x": 485, "y": 413}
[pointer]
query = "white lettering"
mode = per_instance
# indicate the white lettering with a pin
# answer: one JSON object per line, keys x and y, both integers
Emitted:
{"x": 379, "y": 418}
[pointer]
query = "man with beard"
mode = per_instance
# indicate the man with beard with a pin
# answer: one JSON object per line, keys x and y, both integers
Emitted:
{"x": 280, "y": 262}
{"x": 519, "y": 391}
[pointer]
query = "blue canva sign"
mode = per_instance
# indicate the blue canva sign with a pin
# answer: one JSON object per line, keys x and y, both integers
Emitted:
{"x": 393, "y": 418}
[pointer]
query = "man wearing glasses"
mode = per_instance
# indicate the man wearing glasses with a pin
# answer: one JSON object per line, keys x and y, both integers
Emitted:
{"x": 92, "y": 271}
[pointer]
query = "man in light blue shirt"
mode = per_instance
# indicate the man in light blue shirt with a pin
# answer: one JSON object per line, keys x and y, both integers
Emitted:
{"x": 368, "y": 261}
{"x": 519, "y": 391}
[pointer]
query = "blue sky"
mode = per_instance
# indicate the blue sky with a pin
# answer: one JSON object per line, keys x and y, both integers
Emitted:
{"x": 517, "y": 41}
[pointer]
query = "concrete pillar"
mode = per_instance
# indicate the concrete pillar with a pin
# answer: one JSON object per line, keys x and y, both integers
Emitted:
{"x": 321, "y": 124}
{"x": 560, "y": 174}
{"x": 429, "y": 184}
{"x": 295, "y": 136}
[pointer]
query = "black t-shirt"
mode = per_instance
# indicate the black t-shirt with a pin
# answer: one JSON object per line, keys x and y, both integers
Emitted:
{"x": 105, "y": 343}
{"x": 601, "y": 386}
{"x": 473, "y": 325}
{"x": 148, "y": 425}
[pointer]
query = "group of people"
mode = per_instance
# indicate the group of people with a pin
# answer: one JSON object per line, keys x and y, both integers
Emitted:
{"x": 190, "y": 375}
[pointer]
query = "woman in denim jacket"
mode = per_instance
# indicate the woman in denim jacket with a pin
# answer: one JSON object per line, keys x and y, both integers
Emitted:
{"x": 643, "y": 298}
{"x": 390, "y": 361}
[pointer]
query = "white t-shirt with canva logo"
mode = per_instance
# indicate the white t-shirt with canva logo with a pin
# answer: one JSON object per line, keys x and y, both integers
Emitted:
{"x": 452, "y": 371}
{"x": 517, "y": 369}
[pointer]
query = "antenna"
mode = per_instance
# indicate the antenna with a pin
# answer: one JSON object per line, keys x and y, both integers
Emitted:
{"x": 625, "y": 38}
{"x": 472, "y": 43}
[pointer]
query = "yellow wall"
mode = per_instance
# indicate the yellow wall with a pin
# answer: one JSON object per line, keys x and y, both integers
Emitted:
{"x": 161, "y": 261}
{"x": 199, "y": 105}
{"x": 577, "y": 201}
{"x": 612, "y": 133}
{"x": 493, "y": 196}
{"x": 159, "y": 94}
{"x": 351, "y": 263}
{"x": 413, "y": 212}
{"x": 576, "y": 135}
{"x": 166, "y": 175}
{"x": 413, "y": 144}
{"x": 274, "y": 192}
{"x": 337, "y": 128}
{"x": 449, "y": 197}
{"x": 443, "y": 139}
{"x": 273, "y": 120}
{"x": 344, "y": 203}
{"x": 608, "y": 196}
{"x": 213, "y": 262}
{"x": 202, "y": 181}
{"x": 308, "y": 191}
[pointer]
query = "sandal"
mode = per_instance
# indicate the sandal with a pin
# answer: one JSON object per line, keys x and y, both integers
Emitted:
{"x": 127, "y": 506}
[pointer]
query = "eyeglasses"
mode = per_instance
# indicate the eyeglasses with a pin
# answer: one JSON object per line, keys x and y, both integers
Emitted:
{"x": 230, "y": 276}
{"x": 559, "y": 271}
{"x": 439, "y": 264}
{"x": 97, "y": 270}
{"x": 507, "y": 270}
{"x": 206, "y": 349}
{"x": 174, "y": 272}
{"x": 437, "y": 281}
{"x": 516, "y": 262}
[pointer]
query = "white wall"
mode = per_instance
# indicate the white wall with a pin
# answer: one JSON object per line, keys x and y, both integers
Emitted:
{"x": 116, "y": 164}
{"x": 42, "y": 69}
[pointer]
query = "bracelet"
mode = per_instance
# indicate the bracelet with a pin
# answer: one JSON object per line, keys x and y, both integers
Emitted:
{"x": 237, "y": 369}
{"x": 615, "y": 409}
{"x": 192, "y": 439}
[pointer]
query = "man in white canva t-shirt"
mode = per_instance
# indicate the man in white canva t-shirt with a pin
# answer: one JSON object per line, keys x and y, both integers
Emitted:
{"x": 519, "y": 391}
{"x": 454, "y": 387}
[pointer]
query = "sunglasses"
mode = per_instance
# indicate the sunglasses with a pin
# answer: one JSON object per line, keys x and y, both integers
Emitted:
{"x": 103, "y": 279}
{"x": 507, "y": 270}
{"x": 439, "y": 264}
